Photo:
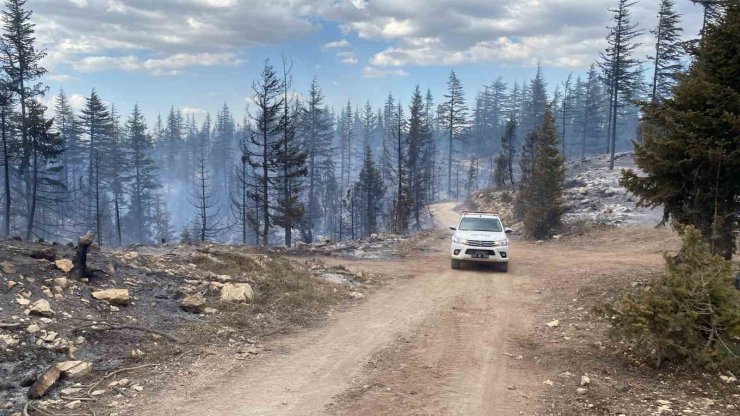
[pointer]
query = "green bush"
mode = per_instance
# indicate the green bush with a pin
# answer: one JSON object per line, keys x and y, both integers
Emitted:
{"x": 690, "y": 314}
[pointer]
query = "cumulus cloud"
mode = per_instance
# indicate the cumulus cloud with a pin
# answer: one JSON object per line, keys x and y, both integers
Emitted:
{"x": 337, "y": 44}
{"x": 564, "y": 33}
{"x": 170, "y": 65}
{"x": 372, "y": 72}
{"x": 348, "y": 57}
{"x": 102, "y": 33}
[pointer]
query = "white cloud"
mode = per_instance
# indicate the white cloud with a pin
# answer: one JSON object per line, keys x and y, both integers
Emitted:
{"x": 170, "y": 65}
{"x": 372, "y": 72}
{"x": 112, "y": 29}
{"x": 59, "y": 77}
{"x": 565, "y": 33}
{"x": 348, "y": 57}
{"x": 194, "y": 110}
{"x": 337, "y": 44}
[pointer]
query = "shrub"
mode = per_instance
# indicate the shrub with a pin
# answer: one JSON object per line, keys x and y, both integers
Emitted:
{"x": 690, "y": 314}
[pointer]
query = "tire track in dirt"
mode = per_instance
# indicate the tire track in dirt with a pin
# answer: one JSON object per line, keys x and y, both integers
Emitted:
{"x": 465, "y": 313}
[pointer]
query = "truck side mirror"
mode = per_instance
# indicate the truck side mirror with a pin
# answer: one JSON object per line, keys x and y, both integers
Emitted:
{"x": 508, "y": 230}
{"x": 453, "y": 228}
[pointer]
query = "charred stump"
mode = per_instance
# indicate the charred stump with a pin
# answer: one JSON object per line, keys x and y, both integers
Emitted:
{"x": 80, "y": 260}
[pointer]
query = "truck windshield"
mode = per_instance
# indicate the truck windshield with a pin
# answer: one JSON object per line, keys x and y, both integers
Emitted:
{"x": 480, "y": 224}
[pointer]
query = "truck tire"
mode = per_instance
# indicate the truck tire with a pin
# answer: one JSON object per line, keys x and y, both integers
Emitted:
{"x": 503, "y": 267}
{"x": 455, "y": 264}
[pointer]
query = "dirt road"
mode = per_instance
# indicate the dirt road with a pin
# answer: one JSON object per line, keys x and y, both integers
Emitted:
{"x": 434, "y": 344}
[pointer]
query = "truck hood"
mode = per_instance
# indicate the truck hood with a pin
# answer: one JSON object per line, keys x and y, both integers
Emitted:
{"x": 481, "y": 235}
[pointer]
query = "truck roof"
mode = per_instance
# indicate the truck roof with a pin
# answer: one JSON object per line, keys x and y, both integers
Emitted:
{"x": 480, "y": 214}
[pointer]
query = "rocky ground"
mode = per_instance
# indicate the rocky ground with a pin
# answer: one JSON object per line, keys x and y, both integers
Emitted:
{"x": 582, "y": 369}
{"x": 592, "y": 196}
{"x": 96, "y": 343}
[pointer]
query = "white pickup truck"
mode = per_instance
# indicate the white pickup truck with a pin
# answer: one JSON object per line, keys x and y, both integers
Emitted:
{"x": 480, "y": 237}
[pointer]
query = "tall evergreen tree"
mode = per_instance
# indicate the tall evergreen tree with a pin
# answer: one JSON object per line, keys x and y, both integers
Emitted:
{"x": 290, "y": 159}
{"x": 668, "y": 51}
{"x": 372, "y": 189}
{"x": 7, "y": 133}
{"x": 691, "y": 151}
{"x": 453, "y": 117}
{"x": 620, "y": 67}
{"x": 542, "y": 192}
{"x": 268, "y": 101}
{"x": 142, "y": 178}
{"x": 317, "y": 132}
{"x": 22, "y": 64}
{"x": 95, "y": 121}
{"x": 46, "y": 148}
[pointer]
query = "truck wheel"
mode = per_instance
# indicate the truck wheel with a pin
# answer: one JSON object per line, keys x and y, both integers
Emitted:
{"x": 455, "y": 264}
{"x": 503, "y": 267}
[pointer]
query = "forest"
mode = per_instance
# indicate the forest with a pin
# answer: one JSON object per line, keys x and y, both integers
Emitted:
{"x": 292, "y": 168}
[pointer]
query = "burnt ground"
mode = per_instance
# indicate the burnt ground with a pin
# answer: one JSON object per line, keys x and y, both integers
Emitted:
{"x": 288, "y": 294}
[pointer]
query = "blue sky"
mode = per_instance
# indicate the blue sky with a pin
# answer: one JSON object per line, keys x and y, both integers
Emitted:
{"x": 198, "y": 54}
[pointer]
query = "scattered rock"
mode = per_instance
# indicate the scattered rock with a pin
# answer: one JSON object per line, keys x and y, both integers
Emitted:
{"x": 356, "y": 295}
{"x": 64, "y": 265}
{"x": 73, "y": 405}
{"x": 193, "y": 303}
{"x": 73, "y": 369}
{"x": 61, "y": 282}
{"x": 581, "y": 390}
{"x": 548, "y": 382}
{"x": 8, "y": 267}
{"x": 237, "y": 292}
{"x": 553, "y": 324}
{"x": 22, "y": 301}
{"x": 41, "y": 308}
{"x": 728, "y": 379}
{"x": 44, "y": 383}
{"x": 585, "y": 380}
{"x": 113, "y": 296}
{"x": 33, "y": 328}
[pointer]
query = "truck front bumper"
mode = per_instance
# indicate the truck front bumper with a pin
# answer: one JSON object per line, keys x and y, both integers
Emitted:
{"x": 498, "y": 254}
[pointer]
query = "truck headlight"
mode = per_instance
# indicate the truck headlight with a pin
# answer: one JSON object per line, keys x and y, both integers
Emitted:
{"x": 504, "y": 242}
{"x": 458, "y": 240}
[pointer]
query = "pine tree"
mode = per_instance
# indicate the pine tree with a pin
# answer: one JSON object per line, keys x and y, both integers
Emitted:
{"x": 566, "y": 111}
{"x": 317, "y": 132}
{"x": 372, "y": 189}
{"x": 268, "y": 101}
{"x": 290, "y": 159}
{"x": 453, "y": 116}
{"x": 399, "y": 155}
{"x": 542, "y": 192}
{"x": 142, "y": 177}
{"x": 691, "y": 153}
{"x": 620, "y": 67}
{"x": 95, "y": 122}
{"x": 535, "y": 103}
{"x": 508, "y": 150}
{"x": 668, "y": 51}
{"x": 7, "y": 131}
{"x": 204, "y": 201}
{"x": 22, "y": 64}
{"x": 418, "y": 139}
{"x": 46, "y": 148}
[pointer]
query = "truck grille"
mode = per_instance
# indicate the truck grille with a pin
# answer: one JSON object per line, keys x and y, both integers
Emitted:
{"x": 477, "y": 243}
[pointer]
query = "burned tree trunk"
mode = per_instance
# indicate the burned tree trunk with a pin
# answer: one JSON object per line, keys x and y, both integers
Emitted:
{"x": 80, "y": 260}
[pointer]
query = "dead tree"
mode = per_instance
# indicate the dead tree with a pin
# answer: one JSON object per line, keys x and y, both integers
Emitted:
{"x": 80, "y": 260}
